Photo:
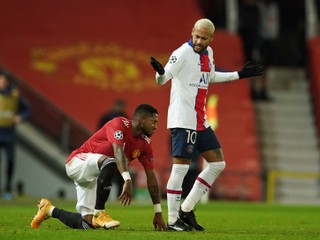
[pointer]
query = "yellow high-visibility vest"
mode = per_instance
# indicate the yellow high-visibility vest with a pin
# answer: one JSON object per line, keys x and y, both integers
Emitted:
{"x": 212, "y": 111}
{"x": 8, "y": 108}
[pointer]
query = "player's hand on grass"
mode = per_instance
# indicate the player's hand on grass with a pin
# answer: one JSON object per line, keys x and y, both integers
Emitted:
{"x": 126, "y": 195}
{"x": 250, "y": 70}
{"x": 159, "y": 223}
{"x": 157, "y": 66}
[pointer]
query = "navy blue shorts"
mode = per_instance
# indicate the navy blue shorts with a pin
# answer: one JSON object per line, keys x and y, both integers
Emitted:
{"x": 187, "y": 143}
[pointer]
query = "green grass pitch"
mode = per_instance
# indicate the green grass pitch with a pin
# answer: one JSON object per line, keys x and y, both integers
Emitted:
{"x": 222, "y": 220}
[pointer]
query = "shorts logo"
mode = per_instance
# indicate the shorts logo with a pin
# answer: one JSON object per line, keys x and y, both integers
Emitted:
{"x": 190, "y": 148}
{"x": 118, "y": 135}
{"x": 173, "y": 59}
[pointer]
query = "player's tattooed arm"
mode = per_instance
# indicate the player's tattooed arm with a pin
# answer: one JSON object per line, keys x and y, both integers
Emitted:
{"x": 153, "y": 186}
{"x": 120, "y": 158}
{"x": 121, "y": 161}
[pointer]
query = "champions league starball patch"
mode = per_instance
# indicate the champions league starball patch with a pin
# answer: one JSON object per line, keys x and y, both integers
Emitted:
{"x": 118, "y": 135}
{"x": 173, "y": 59}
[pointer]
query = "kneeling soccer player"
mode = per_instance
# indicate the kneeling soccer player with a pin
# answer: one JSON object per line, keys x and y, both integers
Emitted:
{"x": 93, "y": 165}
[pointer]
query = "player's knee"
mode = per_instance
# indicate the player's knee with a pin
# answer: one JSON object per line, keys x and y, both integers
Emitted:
{"x": 177, "y": 175}
{"x": 217, "y": 167}
{"x": 107, "y": 173}
{"x": 106, "y": 162}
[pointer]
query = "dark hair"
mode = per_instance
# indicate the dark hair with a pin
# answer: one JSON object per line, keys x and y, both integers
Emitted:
{"x": 144, "y": 109}
{"x": 4, "y": 73}
{"x": 10, "y": 78}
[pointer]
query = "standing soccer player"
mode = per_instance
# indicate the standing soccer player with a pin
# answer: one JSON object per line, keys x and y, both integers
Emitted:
{"x": 191, "y": 69}
{"x": 93, "y": 165}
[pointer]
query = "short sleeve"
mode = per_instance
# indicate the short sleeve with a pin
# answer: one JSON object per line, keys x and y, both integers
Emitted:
{"x": 175, "y": 62}
{"x": 115, "y": 131}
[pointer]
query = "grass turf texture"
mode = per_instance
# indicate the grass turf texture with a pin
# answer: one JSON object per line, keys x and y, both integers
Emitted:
{"x": 222, "y": 220}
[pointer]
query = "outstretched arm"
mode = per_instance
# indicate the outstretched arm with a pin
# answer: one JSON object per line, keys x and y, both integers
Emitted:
{"x": 248, "y": 70}
{"x": 162, "y": 76}
{"x": 154, "y": 191}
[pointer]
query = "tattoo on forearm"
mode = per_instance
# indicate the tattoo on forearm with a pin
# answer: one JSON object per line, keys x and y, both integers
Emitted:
{"x": 154, "y": 193}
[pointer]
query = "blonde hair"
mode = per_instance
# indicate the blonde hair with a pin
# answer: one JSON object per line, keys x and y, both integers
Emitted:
{"x": 205, "y": 23}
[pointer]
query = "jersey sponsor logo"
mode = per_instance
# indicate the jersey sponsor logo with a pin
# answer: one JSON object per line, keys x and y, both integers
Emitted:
{"x": 118, "y": 135}
{"x": 203, "y": 81}
{"x": 205, "y": 76}
{"x": 198, "y": 85}
{"x": 136, "y": 154}
{"x": 173, "y": 59}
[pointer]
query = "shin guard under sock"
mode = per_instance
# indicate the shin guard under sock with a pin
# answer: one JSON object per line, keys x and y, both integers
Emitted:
{"x": 202, "y": 184}
{"x": 104, "y": 183}
{"x": 174, "y": 190}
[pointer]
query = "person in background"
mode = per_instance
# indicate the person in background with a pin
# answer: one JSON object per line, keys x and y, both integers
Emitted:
{"x": 93, "y": 165}
{"x": 269, "y": 32}
{"x": 191, "y": 68}
{"x": 13, "y": 109}
{"x": 249, "y": 24}
{"x": 118, "y": 110}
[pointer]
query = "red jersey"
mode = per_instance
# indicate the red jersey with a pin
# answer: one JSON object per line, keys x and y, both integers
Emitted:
{"x": 118, "y": 130}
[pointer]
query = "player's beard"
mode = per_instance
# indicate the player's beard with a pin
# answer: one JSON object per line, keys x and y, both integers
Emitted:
{"x": 198, "y": 48}
{"x": 145, "y": 131}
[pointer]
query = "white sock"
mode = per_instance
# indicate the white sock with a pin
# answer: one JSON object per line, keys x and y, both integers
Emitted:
{"x": 202, "y": 184}
{"x": 174, "y": 190}
{"x": 50, "y": 211}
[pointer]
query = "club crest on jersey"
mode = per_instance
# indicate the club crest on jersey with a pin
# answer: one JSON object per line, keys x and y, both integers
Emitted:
{"x": 189, "y": 148}
{"x": 118, "y": 135}
{"x": 173, "y": 59}
{"x": 136, "y": 154}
